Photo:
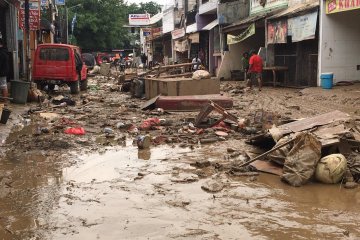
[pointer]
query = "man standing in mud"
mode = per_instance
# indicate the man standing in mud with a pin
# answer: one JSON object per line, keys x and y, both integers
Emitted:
{"x": 4, "y": 69}
{"x": 255, "y": 69}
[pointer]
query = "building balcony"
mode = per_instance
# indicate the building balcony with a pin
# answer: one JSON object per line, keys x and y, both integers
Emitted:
{"x": 209, "y": 7}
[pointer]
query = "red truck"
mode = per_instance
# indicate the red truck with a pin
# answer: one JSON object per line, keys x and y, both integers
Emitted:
{"x": 58, "y": 64}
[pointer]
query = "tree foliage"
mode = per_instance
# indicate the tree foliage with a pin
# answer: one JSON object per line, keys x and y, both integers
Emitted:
{"x": 100, "y": 23}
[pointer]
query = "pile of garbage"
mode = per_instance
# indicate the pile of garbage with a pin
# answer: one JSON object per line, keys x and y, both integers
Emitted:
{"x": 325, "y": 148}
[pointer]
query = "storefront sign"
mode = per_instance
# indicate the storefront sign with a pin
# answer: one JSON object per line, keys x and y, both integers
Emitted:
{"x": 260, "y": 6}
{"x": 139, "y": 19}
{"x": 146, "y": 31}
{"x": 231, "y": 39}
{"x": 334, "y": 6}
{"x": 277, "y": 32}
{"x": 60, "y": 2}
{"x": 178, "y": 33}
{"x": 34, "y": 15}
{"x": 303, "y": 27}
{"x": 44, "y": 2}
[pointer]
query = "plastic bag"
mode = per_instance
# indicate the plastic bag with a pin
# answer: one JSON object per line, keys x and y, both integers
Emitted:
{"x": 302, "y": 159}
{"x": 331, "y": 168}
{"x": 200, "y": 74}
{"x": 75, "y": 131}
{"x": 150, "y": 122}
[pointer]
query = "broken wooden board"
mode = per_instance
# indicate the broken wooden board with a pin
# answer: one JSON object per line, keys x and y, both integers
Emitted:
{"x": 150, "y": 104}
{"x": 192, "y": 103}
{"x": 267, "y": 167}
{"x": 309, "y": 123}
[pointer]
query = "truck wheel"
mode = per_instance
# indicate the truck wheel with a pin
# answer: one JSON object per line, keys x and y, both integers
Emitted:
{"x": 74, "y": 87}
{"x": 83, "y": 85}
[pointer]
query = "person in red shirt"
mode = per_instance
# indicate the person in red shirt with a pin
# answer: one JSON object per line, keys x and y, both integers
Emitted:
{"x": 255, "y": 68}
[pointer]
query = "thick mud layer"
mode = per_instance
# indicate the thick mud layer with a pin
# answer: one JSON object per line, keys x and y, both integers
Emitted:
{"x": 156, "y": 194}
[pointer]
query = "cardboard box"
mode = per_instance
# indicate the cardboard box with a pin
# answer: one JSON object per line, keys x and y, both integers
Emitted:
{"x": 181, "y": 87}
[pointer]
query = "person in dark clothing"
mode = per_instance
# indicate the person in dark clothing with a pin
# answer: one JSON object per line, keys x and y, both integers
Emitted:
{"x": 144, "y": 59}
{"x": 4, "y": 69}
{"x": 78, "y": 62}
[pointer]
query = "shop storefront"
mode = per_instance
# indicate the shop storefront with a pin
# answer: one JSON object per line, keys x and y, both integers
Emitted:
{"x": 340, "y": 39}
{"x": 292, "y": 41}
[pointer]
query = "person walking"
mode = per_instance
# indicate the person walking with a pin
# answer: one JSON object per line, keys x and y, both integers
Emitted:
{"x": 255, "y": 68}
{"x": 4, "y": 69}
{"x": 245, "y": 65}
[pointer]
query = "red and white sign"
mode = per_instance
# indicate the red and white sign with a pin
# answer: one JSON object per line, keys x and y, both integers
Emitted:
{"x": 178, "y": 33}
{"x": 34, "y": 15}
{"x": 139, "y": 19}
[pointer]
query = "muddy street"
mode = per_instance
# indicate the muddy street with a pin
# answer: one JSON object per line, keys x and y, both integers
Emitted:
{"x": 100, "y": 185}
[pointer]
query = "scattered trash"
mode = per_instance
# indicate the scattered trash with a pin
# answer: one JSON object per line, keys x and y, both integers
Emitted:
{"x": 150, "y": 122}
{"x": 143, "y": 141}
{"x": 5, "y": 114}
{"x": 302, "y": 159}
{"x": 108, "y": 130}
{"x": 75, "y": 131}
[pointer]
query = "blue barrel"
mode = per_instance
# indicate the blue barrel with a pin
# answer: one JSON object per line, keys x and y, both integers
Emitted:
{"x": 327, "y": 80}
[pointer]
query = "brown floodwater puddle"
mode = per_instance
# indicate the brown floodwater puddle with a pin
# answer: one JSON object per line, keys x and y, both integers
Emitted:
{"x": 128, "y": 193}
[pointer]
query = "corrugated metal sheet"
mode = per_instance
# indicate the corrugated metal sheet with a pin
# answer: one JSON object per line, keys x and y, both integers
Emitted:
{"x": 296, "y": 10}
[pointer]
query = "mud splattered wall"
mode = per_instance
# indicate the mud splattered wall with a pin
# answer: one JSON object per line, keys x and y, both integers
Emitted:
{"x": 340, "y": 44}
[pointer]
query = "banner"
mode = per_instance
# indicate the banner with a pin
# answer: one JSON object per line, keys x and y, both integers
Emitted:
{"x": 139, "y": 19}
{"x": 34, "y": 15}
{"x": 277, "y": 31}
{"x": 244, "y": 35}
{"x": 303, "y": 27}
{"x": 334, "y": 6}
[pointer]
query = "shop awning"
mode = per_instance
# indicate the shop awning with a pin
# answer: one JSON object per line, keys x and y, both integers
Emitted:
{"x": 156, "y": 18}
{"x": 244, "y": 23}
{"x": 211, "y": 25}
{"x": 191, "y": 28}
{"x": 299, "y": 9}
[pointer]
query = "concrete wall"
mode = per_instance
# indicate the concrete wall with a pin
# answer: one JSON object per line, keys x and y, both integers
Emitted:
{"x": 232, "y": 58}
{"x": 233, "y": 11}
{"x": 340, "y": 44}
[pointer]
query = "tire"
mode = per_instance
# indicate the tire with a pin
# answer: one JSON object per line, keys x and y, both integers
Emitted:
{"x": 74, "y": 87}
{"x": 83, "y": 85}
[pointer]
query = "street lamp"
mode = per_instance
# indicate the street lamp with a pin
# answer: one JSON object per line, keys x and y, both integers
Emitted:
{"x": 67, "y": 20}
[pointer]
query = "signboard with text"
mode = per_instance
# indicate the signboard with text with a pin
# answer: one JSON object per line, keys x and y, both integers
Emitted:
{"x": 231, "y": 39}
{"x": 334, "y": 6}
{"x": 178, "y": 33}
{"x": 303, "y": 27}
{"x": 139, "y": 19}
{"x": 34, "y": 15}
{"x": 60, "y": 2}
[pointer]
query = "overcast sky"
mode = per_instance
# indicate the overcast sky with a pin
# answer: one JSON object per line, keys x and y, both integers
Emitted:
{"x": 161, "y": 2}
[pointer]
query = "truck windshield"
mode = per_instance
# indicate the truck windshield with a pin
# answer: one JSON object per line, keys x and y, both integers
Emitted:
{"x": 54, "y": 54}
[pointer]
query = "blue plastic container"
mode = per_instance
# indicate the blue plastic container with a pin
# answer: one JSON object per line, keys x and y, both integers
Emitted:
{"x": 327, "y": 80}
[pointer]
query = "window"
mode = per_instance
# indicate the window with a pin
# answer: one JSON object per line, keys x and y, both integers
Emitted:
{"x": 54, "y": 54}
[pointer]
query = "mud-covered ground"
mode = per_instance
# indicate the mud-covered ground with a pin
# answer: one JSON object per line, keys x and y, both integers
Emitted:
{"x": 100, "y": 186}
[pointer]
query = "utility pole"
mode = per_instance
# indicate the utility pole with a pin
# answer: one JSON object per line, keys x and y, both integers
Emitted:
{"x": 27, "y": 33}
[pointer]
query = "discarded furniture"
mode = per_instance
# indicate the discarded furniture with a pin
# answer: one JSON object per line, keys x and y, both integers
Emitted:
{"x": 275, "y": 70}
{"x": 214, "y": 107}
{"x": 192, "y": 103}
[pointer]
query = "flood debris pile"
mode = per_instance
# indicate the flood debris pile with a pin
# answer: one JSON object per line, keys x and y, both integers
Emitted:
{"x": 325, "y": 148}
